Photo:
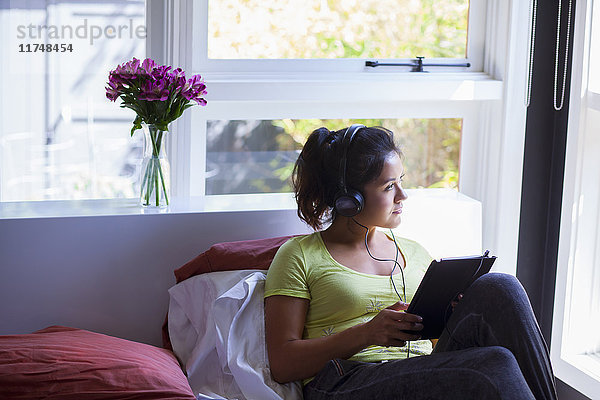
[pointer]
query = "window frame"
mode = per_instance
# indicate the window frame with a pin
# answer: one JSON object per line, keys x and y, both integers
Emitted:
{"x": 579, "y": 241}
{"x": 200, "y": 60}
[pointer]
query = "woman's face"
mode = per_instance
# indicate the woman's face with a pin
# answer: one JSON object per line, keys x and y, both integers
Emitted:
{"x": 384, "y": 196}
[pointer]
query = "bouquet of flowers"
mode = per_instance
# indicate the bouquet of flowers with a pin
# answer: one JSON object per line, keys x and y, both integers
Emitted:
{"x": 159, "y": 95}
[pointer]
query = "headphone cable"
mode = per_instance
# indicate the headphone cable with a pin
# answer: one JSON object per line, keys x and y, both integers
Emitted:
{"x": 396, "y": 263}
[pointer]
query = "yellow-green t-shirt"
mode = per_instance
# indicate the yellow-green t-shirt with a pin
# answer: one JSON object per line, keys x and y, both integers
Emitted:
{"x": 341, "y": 297}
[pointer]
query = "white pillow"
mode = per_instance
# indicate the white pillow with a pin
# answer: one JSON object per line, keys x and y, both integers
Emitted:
{"x": 216, "y": 327}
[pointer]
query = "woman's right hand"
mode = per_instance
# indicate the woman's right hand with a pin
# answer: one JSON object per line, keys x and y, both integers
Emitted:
{"x": 293, "y": 358}
{"x": 393, "y": 327}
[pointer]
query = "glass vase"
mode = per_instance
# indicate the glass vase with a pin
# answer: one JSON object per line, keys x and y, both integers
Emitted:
{"x": 155, "y": 188}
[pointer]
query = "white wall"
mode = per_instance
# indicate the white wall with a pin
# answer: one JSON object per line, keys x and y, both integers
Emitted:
{"x": 111, "y": 274}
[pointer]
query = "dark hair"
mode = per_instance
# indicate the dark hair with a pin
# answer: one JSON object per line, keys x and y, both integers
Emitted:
{"x": 316, "y": 177}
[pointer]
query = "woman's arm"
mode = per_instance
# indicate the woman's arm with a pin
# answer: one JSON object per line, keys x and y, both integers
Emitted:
{"x": 292, "y": 358}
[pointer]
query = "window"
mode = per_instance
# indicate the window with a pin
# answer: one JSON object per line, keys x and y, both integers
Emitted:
{"x": 252, "y": 156}
{"x": 300, "y": 29}
{"x": 333, "y": 36}
{"x": 266, "y": 68}
{"x": 576, "y": 345}
{"x": 60, "y": 138}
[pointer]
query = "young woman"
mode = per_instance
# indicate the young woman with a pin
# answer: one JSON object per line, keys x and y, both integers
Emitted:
{"x": 334, "y": 314}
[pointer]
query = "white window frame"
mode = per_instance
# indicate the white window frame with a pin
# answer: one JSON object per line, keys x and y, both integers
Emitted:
{"x": 575, "y": 347}
{"x": 475, "y": 45}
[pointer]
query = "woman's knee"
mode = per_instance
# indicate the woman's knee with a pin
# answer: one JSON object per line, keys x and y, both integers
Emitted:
{"x": 500, "y": 366}
{"x": 498, "y": 284}
{"x": 499, "y": 358}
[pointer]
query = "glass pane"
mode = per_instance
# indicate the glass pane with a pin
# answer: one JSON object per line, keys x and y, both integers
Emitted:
{"x": 258, "y": 156}
{"x": 60, "y": 137}
{"x": 276, "y": 29}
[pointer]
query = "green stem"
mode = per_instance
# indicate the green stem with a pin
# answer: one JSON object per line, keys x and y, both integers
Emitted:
{"x": 158, "y": 142}
{"x": 143, "y": 185}
{"x": 156, "y": 190}
{"x": 149, "y": 182}
{"x": 163, "y": 183}
{"x": 156, "y": 151}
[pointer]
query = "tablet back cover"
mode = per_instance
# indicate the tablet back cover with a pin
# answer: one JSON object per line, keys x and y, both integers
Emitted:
{"x": 442, "y": 283}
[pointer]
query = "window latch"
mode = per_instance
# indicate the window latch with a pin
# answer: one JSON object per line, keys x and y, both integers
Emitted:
{"x": 417, "y": 64}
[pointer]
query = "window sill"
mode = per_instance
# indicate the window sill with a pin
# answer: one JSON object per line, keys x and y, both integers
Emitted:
{"x": 446, "y": 222}
{"x": 220, "y": 203}
{"x": 351, "y": 87}
{"x": 588, "y": 364}
{"x": 130, "y": 206}
{"x": 582, "y": 372}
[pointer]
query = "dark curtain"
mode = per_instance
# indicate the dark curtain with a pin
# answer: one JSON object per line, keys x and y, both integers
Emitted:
{"x": 543, "y": 168}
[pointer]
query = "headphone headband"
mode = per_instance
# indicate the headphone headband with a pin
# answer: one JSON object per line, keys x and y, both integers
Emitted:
{"x": 346, "y": 140}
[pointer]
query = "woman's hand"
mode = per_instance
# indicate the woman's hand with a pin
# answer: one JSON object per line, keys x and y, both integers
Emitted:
{"x": 292, "y": 358}
{"x": 393, "y": 327}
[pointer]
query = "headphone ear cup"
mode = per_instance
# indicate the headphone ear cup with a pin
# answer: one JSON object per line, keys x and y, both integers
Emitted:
{"x": 349, "y": 203}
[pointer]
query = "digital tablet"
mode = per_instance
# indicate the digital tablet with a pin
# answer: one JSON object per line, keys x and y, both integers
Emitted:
{"x": 442, "y": 283}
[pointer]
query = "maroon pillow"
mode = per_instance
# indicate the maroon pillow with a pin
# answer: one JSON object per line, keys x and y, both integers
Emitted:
{"x": 231, "y": 256}
{"x": 228, "y": 256}
{"x": 68, "y": 363}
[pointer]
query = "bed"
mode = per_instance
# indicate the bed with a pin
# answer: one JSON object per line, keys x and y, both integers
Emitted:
{"x": 213, "y": 340}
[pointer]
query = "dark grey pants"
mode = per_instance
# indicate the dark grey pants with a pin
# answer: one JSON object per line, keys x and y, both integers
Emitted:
{"x": 492, "y": 349}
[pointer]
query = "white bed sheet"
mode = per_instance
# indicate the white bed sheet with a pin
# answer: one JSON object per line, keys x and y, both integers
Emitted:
{"x": 216, "y": 327}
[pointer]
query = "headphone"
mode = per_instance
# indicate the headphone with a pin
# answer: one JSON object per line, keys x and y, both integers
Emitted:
{"x": 347, "y": 202}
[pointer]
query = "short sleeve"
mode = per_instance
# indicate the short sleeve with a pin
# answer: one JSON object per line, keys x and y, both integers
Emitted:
{"x": 421, "y": 257}
{"x": 415, "y": 254}
{"x": 287, "y": 274}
